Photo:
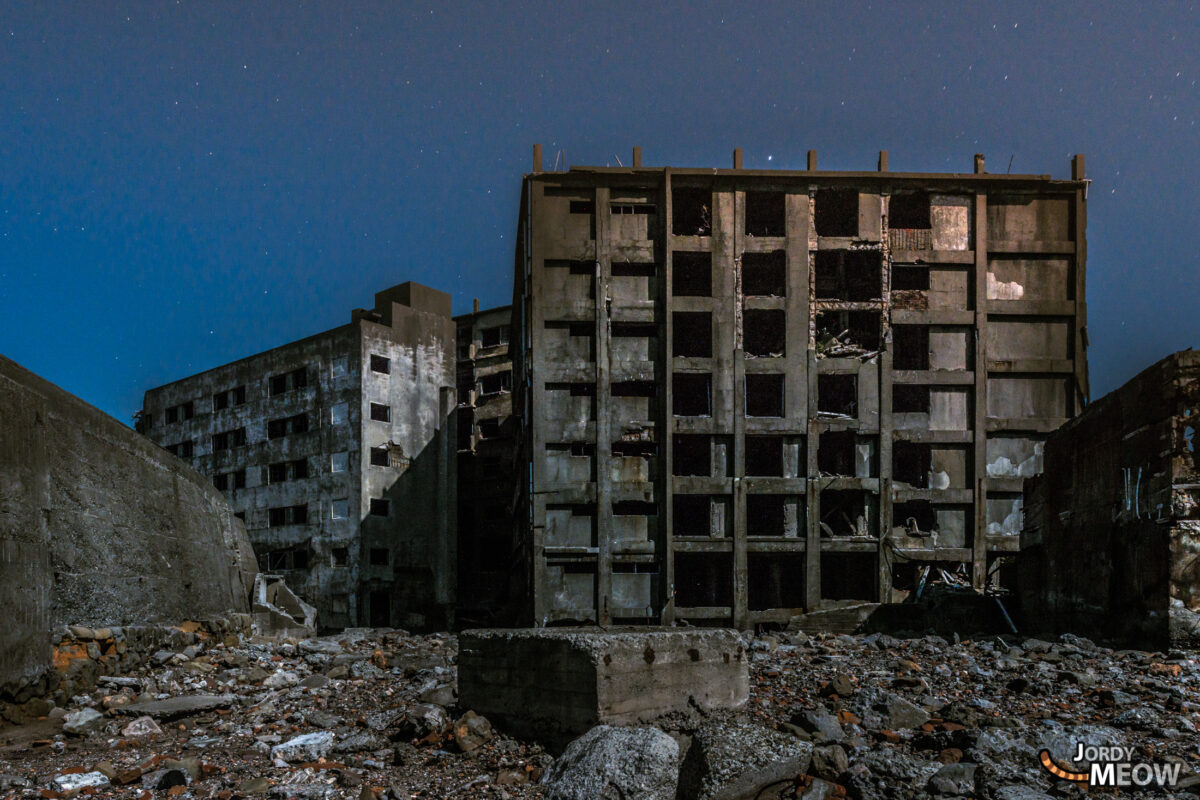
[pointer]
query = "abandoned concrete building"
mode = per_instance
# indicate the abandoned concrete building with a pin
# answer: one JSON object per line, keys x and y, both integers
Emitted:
{"x": 338, "y": 453}
{"x": 742, "y": 394}
{"x": 1112, "y": 529}
{"x": 485, "y": 466}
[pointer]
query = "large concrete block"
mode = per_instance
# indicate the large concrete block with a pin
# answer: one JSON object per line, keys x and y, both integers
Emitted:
{"x": 553, "y": 684}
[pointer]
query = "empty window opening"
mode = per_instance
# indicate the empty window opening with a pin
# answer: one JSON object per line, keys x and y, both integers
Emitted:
{"x": 766, "y": 515}
{"x": 380, "y": 557}
{"x": 380, "y": 457}
{"x": 632, "y": 208}
{"x": 765, "y": 214}
{"x": 692, "y": 334}
{"x": 630, "y": 269}
{"x": 635, "y": 389}
{"x": 847, "y": 512}
{"x": 380, "y": 364}
{"x": 287, "y": 515}
{"x": 296, "y": 379}
{"x": 908, "y": 398}
{"x": 691, "y": 211}
{"x": 284, "y": 426}
{"x": 691, "y": 274}
{"x": 692, "y": 515}
{"x": 847, "y": 334}
{"x": 692, "y": 455}
{"x": 910, "y": 347}
{"x": 691, "y": 394}
{"x": 837, "y": 212}
{"x": 221, "y": 482}
{"x": 277, "y": 472}
{"x": 915, "y": 517}
{"x": 837, "y": 453}
{"x": 575, "y": 389}
{"x": 379, "y": 507}
{"x": 182, "y": 411}
{"x": 493, "y": 336}
{"x": 339, "y": 508}
{"x": 764, "y": 274}
{"x": 910, "y": 277}
{"x": 837, "y": 395}
{"x": 465, "y": 428}
{"x": 634, "y": 508}
{"x": 764, "y": 456}
{"x": 911, "y": 463}
{"x": 227, "y": 440}
{"x": 854, "y": 275}
{"x": 850, "y": 576}
{"x": 496, "y": 383}
{"x": 703, "y": 580}
{"x": 220, "y": 401}
{"x": 764, "y": 332}
{"x": 764, "y": 395}
{"x": 489, "y": 429}
{"x": 775, "y": 580}
{"x": 909, "y": 211}
{"x": 284, "y": 559}
{"x": 634, "y": 449}
{"x": 340, "y": 556}
{"x": 582, "y": 206}
{"x": 381, "y": 413}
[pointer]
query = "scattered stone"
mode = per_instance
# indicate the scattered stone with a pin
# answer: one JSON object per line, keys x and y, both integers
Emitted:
{"x": 840, "y": 685}
{"x": 307, "y": 747}
{"x": 255, "y": 786}
{"x": 141, "y": 728}
{"x": 315, "y": 681}
{"x": 735, "y": 760}
{"x": 954, "y": 779}
{"x": 176, "y": 707}
{"x": 281, "y": 680}
{"x": 829, "y": 761}
{"x": 86, "y": 722}
{"x": 472, "y": 731}
{"x": 164, "y": 779}
{"x": 630, "y": 763}
{"x": 358, "y": 742}
{"x": 900, "y": 713}
{"x": 444, "y": 695}
{"x": 820, "y": 725}
{"x": 69, "y": 784}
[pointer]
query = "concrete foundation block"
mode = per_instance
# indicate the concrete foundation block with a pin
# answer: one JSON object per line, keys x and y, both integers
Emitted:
{"x": 553, "y": 684}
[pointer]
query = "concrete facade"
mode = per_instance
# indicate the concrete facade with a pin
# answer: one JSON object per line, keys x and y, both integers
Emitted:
{"x": 1112, "y": 529}
{"x": 745, "y": 393}
{"x": 98, "y": 527}
{"x": 486, "y": 445}
{"x": 338, "y": 452}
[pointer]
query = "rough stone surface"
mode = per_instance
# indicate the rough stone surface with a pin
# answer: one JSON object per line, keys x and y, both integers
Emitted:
{"x": 84, "y": 722}
{"x": 737, "y": 760}
{"x": 141, "y": 727}
{"x": 306, "y": 747}
{"x": 175, "y": 707}
{"x": 608, "y": 763}
{"x": 79, "y": 780}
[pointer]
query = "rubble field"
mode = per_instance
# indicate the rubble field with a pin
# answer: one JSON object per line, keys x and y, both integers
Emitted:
{"x": 374, "y": 715}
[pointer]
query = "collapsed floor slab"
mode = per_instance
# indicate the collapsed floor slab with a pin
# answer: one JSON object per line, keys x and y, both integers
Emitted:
{"x": 553, "y": 684}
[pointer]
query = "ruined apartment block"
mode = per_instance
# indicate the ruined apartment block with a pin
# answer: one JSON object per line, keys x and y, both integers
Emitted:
{"x": 744, "y": 394}
{"x": 485, "y": 467}
{"x": 338, "y": 453}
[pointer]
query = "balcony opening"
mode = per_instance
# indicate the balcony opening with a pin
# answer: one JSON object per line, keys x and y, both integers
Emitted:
{"x": 837, "y": 395}
{"x": 910, "y": 347}
{"x": 691, "y": 274}
{"x": 909, "y": 211}
{"x": 837, "y": 453}
{"x": 691, "y": 394}
{"x": 837, "y": 212}
{"x": 489, "y": 429}
{"x": 691, "y": 211}
{"x": 765, "y": 214}
{"x": 380, "y": 457}
{"x": 847, "y": 512}
{"x": 910, "y": 277}
{"x": 692, "y": 455}
{"x": 847, "y": 334}
{"x": 764, "y": 274}
{"x": 764, "y": 395}
{"x": 766, "y": 515}
{"x": 776, "y": 580}
{"x": 703, "y": 580}
{"x": 764, "y": 333}
{"x": 692, "y": 515}
{"x": 915, "y": 517}
{"x": 380, "y": 507}
{"x": 692, "y": 334}
{"x": 911, "y": 463}
{"x": 495, "y": 383}
{"x": 764, "y": 456}
{"x": 493, "y": 336}
{"x": 852, "y": 275}
{"x": 909, "y": 398}
{"x": 850, "y": 576}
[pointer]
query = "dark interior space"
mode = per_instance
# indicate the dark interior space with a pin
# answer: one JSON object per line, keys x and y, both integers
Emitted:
{"x": 692, "y": 334}
{"x": 847, "y": 334}
{"x": 910, "y": 398}
{"x": 837, "y": 453}
{"x": 910, "y": 463}
{"x": 764, "y": 332}
{"x": 909, "y": 277}
{"x": 638, "y": 448}
{"x": 691, "y": 394}
{"x": 764, "y": 456}
{"x": 764, "y": 274}
{"x": 852, "y": 275}
{"x": 909, "y": 210}
{"x": 764, "y": 395}
{"x": 692, "y": 515}
{"x": 850, "y": 576}
{"x": 691, "y": 211}
{"x": 910, "y": 347}
{"x": 844, "y": 512}
{"x": 703, "y": 579}
{"x": 692, "y": 455}
{"x": 837, "y": 394}
{"x": 766, "y": 214}
{"x": 836, "y": 212}
{"x": 776, "y": 580}
{"x": 691, "y": 274}
{"x": 634, "y": 269}
{"x": 916, "y": 517}
{"x": 765, "y": 514}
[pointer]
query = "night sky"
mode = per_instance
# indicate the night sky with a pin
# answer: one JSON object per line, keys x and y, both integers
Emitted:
{"x": 185, "y": 184}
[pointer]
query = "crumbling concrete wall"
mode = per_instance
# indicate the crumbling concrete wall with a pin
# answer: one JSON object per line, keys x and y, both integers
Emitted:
{"x": 100, "y": 527}
{"x": 1110, "y": 543}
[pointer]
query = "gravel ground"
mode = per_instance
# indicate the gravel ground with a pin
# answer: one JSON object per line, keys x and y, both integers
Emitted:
{"x": 377, "y": 712}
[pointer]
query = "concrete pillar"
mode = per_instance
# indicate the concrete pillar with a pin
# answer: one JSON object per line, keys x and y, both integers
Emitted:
{"x": 979, "y": 164}
{"x": 737, "y": 158}
{"x": 1077, "y": 167}
{"x": 637, "y": 157}
{"x": 812, "y": 160}
{"x": 882, "y": 166}
{"x": 537, "y": 158}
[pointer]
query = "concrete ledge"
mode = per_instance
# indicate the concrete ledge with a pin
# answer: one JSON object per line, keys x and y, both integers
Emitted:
{"x": 553, "y": 684}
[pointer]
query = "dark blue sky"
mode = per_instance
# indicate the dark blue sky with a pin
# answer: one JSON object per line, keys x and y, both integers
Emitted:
{"x": 184, "y": 184}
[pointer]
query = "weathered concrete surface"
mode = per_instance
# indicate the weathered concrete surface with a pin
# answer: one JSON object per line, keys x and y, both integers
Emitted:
{"x": 277, "y": 611}
{"x": 739, "y": 760}
{"x": 99, "y": 526}
{"x": 1112, "y": 529}
{"x": 553, "y": 684}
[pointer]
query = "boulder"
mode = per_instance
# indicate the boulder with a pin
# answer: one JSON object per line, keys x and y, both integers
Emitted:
{"x": 737, "y": 760}
{"x": 609, "y": 763}
{"x": 84, "y": 723}
{"x": 308, "y": 747}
